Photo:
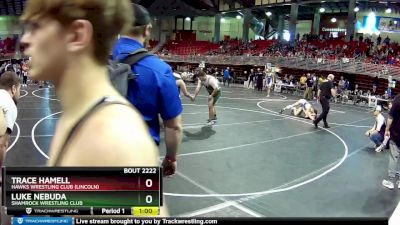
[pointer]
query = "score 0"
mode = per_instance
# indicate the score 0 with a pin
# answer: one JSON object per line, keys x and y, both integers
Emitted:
{"x": 149, "y": 184}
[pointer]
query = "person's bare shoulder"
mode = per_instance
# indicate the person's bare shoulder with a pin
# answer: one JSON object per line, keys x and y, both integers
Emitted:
{"x": 115, "y": 135}
{"x": 3, "y": 125}
{"x": 180, "y": 83}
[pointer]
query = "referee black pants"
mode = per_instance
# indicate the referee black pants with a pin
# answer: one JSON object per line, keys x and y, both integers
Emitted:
{"x": 325, "y": 110}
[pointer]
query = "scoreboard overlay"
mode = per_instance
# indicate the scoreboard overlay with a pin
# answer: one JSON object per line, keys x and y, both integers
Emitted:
{"x": 82, "y": 190}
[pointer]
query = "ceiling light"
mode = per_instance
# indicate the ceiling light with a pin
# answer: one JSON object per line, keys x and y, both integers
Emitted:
{"x": 321, "y": 10}
{"x": 356, "y": 9}
{"x": 268, "y": 14}
{"x": 238, "y": 17}
{"x": 388, "y": 10}
{"x": 333, "y": 20}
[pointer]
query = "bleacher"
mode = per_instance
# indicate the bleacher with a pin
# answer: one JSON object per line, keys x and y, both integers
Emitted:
{"x": 7, "y": 47}
{"x": 325, "y": 49}
{"x": 334, "y": 55}
{"x": 260, "y": 46}
{"x": 153, "y": 43}
{"x": 189, "y": 47}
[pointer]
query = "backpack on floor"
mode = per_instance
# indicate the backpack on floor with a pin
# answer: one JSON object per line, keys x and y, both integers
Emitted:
{"x": 120, "y": 73}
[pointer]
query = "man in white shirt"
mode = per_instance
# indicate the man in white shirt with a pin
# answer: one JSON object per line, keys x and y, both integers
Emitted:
{"x": 214, "y": 91}
{"x": 9, "y": 95}
{"x": 269, "y": 81}
{"x": 377, "y": 132}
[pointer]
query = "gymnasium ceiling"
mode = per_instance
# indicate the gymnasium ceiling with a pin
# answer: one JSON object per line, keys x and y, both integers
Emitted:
{"x": 211, "y": 7}
{"x": 307, "y": 7}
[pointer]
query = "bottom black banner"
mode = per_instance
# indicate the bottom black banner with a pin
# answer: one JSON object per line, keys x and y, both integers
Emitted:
{"x": 55, "y": 211}
{"x": 199, "y": 221}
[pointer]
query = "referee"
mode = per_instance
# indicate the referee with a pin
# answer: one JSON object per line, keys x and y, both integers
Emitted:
{"x": 325, "y": 92}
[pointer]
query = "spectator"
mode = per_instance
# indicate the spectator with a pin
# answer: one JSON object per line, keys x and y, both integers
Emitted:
{"x": 310, "y": 83}
{"x": 389, "y": 90}
{"x": 251, "y": 78}
{"x": 341, "y": 85}
{"x": 303, "y": 80}
{"x": 315, "y": 85}
{"x": 346, "y": 85}
{"x": 154, "y": 92}
{"x": 232, "y": 76}
{"x": 9, "y": 94}
{"x": 227, "y": 76}
{"x": 98, "y": 127}
{"x": 245, "y": 75}
{"x": 387, "y": 40}
{"x": 259, "y": 79}
{"x": 375, "y": 84}
{"x": 377, "y": 132}
{"x": 393, "y": 131}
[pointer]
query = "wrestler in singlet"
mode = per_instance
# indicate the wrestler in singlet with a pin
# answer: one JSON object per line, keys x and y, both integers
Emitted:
{"x": 304, "y": 104}
{"x": 211, "y": 83}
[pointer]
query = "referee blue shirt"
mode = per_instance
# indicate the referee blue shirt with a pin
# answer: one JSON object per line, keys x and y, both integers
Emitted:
{"x": 154, "y": 91}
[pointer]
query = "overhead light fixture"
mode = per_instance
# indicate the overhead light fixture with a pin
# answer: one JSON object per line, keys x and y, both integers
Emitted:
{"x": 188, "y": 19}
{"x": 333, "y": 20}
{"x": 322, "y": 10}
{"x": 388, "y": 10}
{"x": 370, "y": 25}
{"x": 286, "y": 35}
{"x": 238, "y": 17}
{"x": 356, "y": 9}
{"x": 268, "y": 14}
{"x": 223, "y": 20}
{"x": 395, "y": 22}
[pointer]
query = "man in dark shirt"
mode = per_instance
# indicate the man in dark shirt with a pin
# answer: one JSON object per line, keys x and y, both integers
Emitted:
{"x": 375, "y": 85}
{"x": 232, "y": 75}
{"x": 308, "y": 92}
{"x": 251, "y": 78}
{"x": 260, "y": 79}
{"x": 325, "y": 92}
{"x": 212, "y": 72}
{"x": 393, "y": 130}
